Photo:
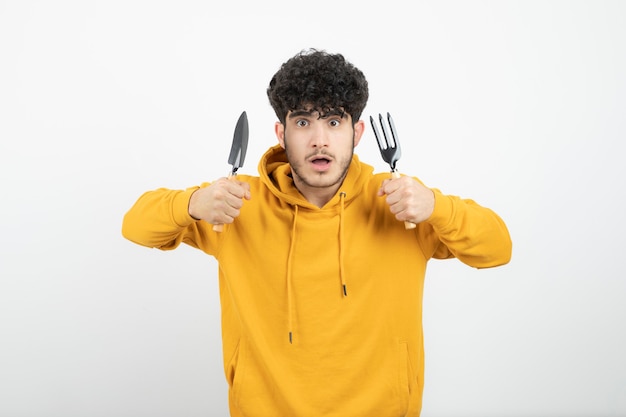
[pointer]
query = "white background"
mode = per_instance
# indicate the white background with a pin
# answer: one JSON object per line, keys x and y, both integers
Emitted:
{"x": 519, "y": 105}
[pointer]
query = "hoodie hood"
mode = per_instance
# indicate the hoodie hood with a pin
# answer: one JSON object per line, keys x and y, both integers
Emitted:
{"x": 275, "y": 173}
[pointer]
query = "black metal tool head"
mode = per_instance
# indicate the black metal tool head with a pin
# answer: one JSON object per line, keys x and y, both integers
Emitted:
{"x": 387, "y": 142}
{"x": 240, "y": 143}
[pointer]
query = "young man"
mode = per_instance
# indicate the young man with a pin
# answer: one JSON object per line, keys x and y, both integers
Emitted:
{"x": 320, "y": 283}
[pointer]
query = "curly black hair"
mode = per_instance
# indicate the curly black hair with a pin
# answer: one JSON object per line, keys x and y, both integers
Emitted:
{"x": 317, "y": 80}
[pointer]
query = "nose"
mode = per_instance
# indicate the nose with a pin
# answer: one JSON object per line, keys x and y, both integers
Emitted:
{"x": 319, "y": 136}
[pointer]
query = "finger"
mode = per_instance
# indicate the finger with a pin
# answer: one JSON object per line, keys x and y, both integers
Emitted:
{"x": 399, "y": 194}
{"x": 384, "y": 187}
{"x": 396, "y": 207}
{"x": 393, "y": 184}
{"x": 394, "y": 194}
{"x": 228, "y": 216}
{"x": 234, "y": 201}
{"x": 227, "y": 210}
{"x": 238, "y": 189}
{"x": 246, "y": 189}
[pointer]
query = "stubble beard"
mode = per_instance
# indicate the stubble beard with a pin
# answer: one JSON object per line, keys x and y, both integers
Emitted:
{"x": 321, "y": 179}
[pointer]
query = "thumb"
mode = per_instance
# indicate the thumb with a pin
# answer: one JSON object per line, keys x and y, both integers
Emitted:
{"x": 381, "y": 190}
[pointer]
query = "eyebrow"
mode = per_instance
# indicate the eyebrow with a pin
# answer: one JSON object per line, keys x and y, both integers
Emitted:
{"x": 299, "y": 113}
{"x": 309, "y": 113}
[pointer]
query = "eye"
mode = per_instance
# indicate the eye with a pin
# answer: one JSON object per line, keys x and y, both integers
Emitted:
{"x": 334, "y": 122}
{"x": 302, "y": 123}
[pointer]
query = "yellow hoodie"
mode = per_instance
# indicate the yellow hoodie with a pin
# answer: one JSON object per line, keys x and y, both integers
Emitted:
{"x": 322, "y": 307}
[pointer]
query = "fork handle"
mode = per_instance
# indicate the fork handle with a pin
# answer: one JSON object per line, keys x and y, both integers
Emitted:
{"x": 407, "y": 225}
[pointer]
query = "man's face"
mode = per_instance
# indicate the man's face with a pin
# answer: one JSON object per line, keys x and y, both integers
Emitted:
{"x": 319, "y": 150}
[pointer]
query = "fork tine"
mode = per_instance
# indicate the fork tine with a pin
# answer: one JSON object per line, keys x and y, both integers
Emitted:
{"x": 377, "y": 134}
{"x": 394, "y": 133}
{"x": 389, "y": 140}
{"x": 392, "y": 127}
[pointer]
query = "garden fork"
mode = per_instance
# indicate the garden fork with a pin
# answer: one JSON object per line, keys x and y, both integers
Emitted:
{"x": 389, "y": 148}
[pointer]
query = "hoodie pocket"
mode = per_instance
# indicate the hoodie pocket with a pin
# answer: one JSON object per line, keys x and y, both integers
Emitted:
{"x": 232, "y": 366}
{"x": 236, "y": 370}
{"x": 404, "y": 370}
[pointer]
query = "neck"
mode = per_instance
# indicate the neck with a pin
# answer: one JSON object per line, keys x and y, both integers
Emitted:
{"x": 318, "y": 196}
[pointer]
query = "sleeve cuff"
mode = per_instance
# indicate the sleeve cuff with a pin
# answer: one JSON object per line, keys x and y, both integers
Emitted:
{"x": 442, "y": 213}
{"x": 180, "y": 207}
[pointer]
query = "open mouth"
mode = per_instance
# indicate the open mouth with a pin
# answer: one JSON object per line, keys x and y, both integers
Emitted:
{"x": 320, "y": 161}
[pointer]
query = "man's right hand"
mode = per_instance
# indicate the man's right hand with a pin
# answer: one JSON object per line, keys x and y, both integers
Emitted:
{"x": 220, "y": 202}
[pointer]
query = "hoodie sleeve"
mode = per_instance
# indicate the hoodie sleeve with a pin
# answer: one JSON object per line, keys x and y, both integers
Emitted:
{"x": 160, "y": 219}
{"x": 475, "y": 235}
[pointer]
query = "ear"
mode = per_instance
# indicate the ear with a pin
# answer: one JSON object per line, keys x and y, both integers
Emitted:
{"x": 279, "y": 130}
{"x": 359, "y": 129}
